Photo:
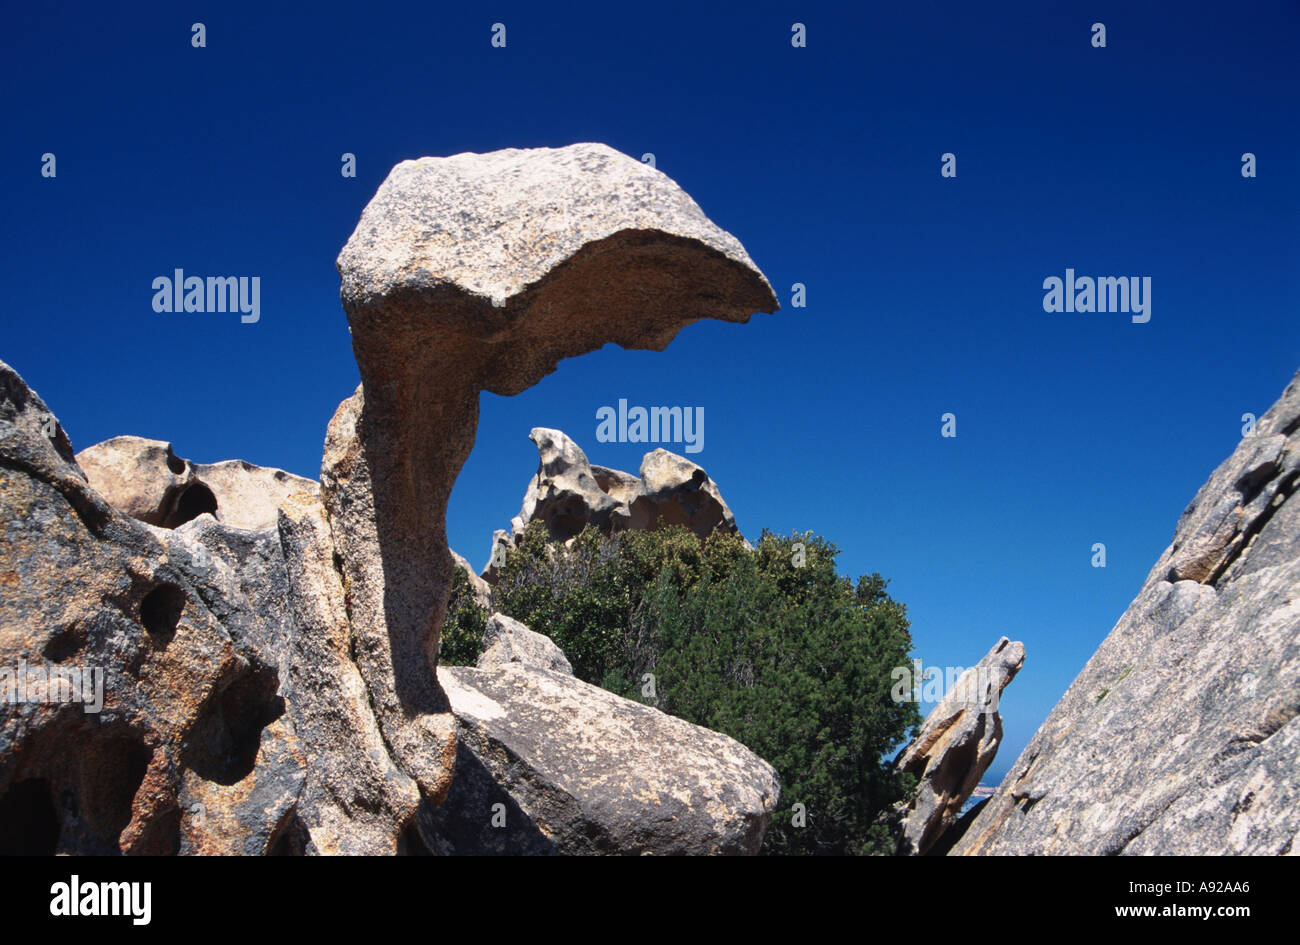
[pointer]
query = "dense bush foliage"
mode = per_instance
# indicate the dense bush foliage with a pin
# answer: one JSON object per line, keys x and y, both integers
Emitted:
{"x": 770, "y": 646}
{"x": 462, "y": 628}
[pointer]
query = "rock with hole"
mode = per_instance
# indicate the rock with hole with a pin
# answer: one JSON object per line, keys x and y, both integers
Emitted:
{"x": 482, "y": 272}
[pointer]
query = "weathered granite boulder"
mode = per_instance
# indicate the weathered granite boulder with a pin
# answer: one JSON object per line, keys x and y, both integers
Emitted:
{"x": 148, "y": 481}
{"x": 549, "y": 764}
{"x": 481, "y": 272}
{"x": 679, "y": 492}
{"x": 1180, "y": 735}
{"x": 567, "y": 494}
{"x": 954, "y": 747}
{"x": 506, "y": 640}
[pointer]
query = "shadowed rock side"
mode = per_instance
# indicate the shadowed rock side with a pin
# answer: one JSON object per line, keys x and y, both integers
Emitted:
{"x": 567, "y": 494}
{"x": 481, "y": 272}
{"x": 1180, "y": 734}
{"x": 954, "y": 747}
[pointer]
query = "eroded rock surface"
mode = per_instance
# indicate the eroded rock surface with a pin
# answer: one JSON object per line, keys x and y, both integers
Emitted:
{"x": 148, "y": 481}
{"x": 266, "y": 644}
{"x": 189, "y": 751}
{"x": 954, "y": 747}
{"x": 1180, "y": 735}
{"x": 567, "y": 494}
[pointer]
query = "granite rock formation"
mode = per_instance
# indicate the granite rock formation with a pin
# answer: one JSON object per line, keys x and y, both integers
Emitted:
{"x": 482, "y": 272}
{"x": 506, "y": 640}
{"x": 578, "y": 770}
{"x": 148, "y": 481}
{"x": 268, "y": 645}
{"x": 190, "y": 750}
{"x": 954, "y": 747}
{"x": 1180, "y": 735}
{"x": 568, "y": 493}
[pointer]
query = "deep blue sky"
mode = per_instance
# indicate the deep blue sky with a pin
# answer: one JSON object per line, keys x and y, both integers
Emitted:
{"x": 924, "y": 294}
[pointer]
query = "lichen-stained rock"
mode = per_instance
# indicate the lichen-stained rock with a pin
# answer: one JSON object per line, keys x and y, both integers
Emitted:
{"x": 1180, "y": 735}
{"x": 148, "y": 481}
{"x": 506, "y": 640}
{"x": 188, "y": 692}
{"x": 481, "y": 272}
{"x": 255, "y": 815}
{"x": 576, "y": 769}
{"x": 954, "y": 747}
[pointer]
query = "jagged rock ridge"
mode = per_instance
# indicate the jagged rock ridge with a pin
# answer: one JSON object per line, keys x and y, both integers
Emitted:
{"x": 568, "y": 493}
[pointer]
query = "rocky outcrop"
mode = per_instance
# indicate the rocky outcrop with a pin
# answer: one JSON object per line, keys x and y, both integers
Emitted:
{"x": 549, "y": 764}
{"x": 954, "y": 747}
{"x": 265, "y": 647}
{"x": 148, "y": 481}
{"x": 567, "y": 494}
{"x": 1180, "y": 735}
{"x": 563, "y": 494}
{"x": 674, "y": 489}
{"x": 189, "y": 750}
{"x": 481, "y": 272}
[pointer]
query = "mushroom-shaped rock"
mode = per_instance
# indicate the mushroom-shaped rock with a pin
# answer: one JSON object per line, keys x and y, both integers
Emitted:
{"x": 481, "y": 272}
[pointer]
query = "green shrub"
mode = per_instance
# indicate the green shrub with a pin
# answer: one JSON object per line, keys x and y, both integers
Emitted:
{"x": 770, "y": 646}
{"x": 462, "y": 628}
